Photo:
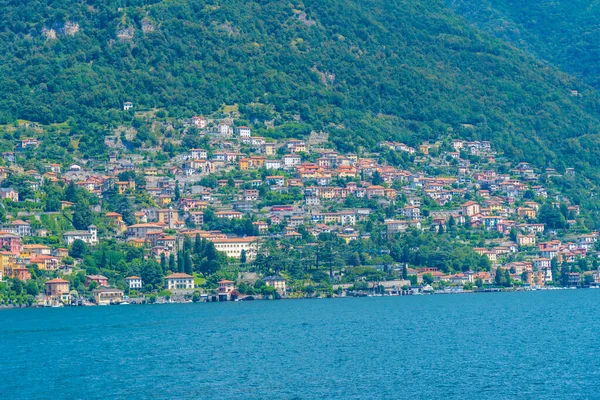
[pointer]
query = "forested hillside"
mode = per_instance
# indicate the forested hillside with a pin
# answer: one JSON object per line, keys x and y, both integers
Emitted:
{"x": 565, "y": 33}
{"x": 363, "y": 70}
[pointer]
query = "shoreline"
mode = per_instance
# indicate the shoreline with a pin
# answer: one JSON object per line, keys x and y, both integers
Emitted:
{"x": 439, "y": 292}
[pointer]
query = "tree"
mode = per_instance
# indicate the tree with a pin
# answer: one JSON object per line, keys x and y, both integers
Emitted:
{"x": 78, "y": 249}
{"x": 451, "y": 223}
{"x": 177, "y": 192}
{"x": 180, "y": 262}
{"x": 554, "y": 269}
{"x": 354, "y": 259}
{"x": 172, "y": 265}
{"x": 198, "y": 245}
{"x": 376, "y": 178}
{"x": 72, "y": 192}
{"x": 163, "y": 262}
{"x": 428, "y": 278}
{"x": 32, "y": 288}
{"x": 187, "y": 244}
{"x": 187, "y": 263}
{"x": 513, "y": 234}
{"x": 507, "y": 280}
{"x": 551, "y": 216}
{"x": 103, "y": 260}
{"x": 404, "y": 272}
{"x": 52, "y": 204}
{"x": 243, "y": 257}
{"x": 125, "y": 208}
{"x": 564, "y": 274}
{"x": 151, "y": 273}
{"x": 82, "y": 216}
{"x": 499, "y": 278}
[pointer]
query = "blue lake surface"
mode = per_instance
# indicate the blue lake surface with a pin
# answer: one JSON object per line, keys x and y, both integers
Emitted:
{"x": 537, "y": 345}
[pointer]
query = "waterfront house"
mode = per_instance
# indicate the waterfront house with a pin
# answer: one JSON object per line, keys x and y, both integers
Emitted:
{"x": 179, "y": 280}
{"x": 101, "y": 280}
{"x": 57, "y": 287}
{"x": 276, "y": 282}
{"x": 226, "y": 287}
{"x": 108, "y": 296}
{"x": 134, "y": 282}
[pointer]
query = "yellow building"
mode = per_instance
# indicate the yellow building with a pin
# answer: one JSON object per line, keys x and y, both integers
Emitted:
{"x": 122, "y": 187}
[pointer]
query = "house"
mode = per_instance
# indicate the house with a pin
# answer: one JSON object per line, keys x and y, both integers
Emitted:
{"x": 19, "y": 227}
{"x": 35, "y": 249}
{"x": 269, "y": 149}
{"x": 101, "y": 280}
{"x": 224, "y": 129}
{"x": 291, "y": 160}
{"x": 122, "y": 187}
{"x": 199, "y": 154}
{"x": 29, "y": 142}
{"x": 396, "y": 226}
{"x": 226, "y": 287}
{"x": 197, "y": 217}
{"x": 141, "y": 230}
{"x": 108, "y": 296}
{"x": 46, "y": 263}
{"x": 243, "y": 131}
{"x": 134, "y": 282}
{"x": 9, "y": 156}
{"x": 375, "y": 191}
{"x": 276, "y": 282}
{"x": 178, "y": 280}
{"x": 11, "y": 242}
{"x": 272, "y": 164}
{"x": 58, "y": 287}
{"x": 90, "y": 236}
{"x": 526, "y": 240}
{"x": 127, "y": 106}
{"x": 233, "y": 247}
{"x": 229, "y": 214}
{"x": 9, "y": 193}
{"x": 199, "y": 122}
{"x": 470, "y": 208}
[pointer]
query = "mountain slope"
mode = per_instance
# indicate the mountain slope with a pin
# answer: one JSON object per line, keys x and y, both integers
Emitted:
{"x": 564, "y": 33}
{"x": 363, "y": 70}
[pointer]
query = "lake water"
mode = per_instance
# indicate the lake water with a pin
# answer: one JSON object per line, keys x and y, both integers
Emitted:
{"x": 504, "y": 345}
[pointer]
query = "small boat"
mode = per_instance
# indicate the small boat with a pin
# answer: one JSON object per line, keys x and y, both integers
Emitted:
{"x": 124, "y": 303}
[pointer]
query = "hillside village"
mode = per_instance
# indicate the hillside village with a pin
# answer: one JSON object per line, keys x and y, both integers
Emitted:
{"x": 240, "y": 216}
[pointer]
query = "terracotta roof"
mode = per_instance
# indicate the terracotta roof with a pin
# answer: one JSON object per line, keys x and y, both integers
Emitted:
{"x": 57, "y": 280}
{"x": 178, "y": 275}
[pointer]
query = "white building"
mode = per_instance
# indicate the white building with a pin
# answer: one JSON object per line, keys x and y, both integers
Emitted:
{"x": 90, "y": 236}
{"x": 272, "y": 164}
{"x": 243, "y": 131}
{"x": 179, "y": 280}
{"x": 199, "y": 154}
{"x": 233, "y": 246}
{"x": 134, "y": 282}
{"x": 291, "y": 160}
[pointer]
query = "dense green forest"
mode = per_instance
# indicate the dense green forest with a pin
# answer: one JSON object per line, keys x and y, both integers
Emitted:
{"x": 564, "y": 33}
{"x": 362, "y": 70}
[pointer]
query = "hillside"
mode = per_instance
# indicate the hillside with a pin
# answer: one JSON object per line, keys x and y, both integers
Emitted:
{"x": 563, "y": 33}
{"x": 363, "y": 70}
